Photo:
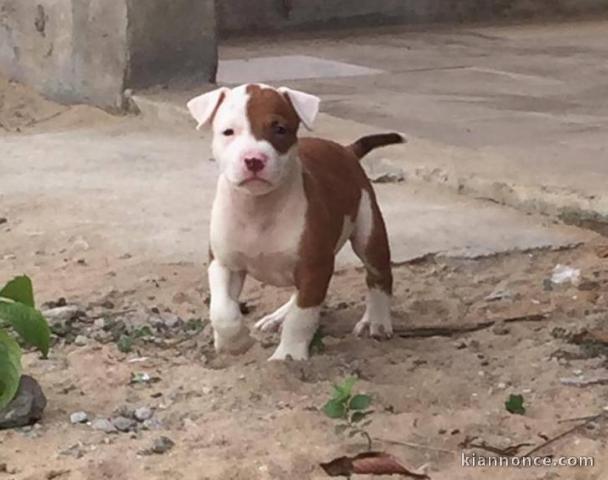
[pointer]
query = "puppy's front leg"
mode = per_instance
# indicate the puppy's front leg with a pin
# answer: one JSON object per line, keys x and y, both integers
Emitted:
{"x": 302, "y": 319}
{"x": 229, "y": 333}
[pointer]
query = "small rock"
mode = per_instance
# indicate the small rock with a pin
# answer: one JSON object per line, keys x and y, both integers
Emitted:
{"x": 81, "y": 341}
{"x": 79, "y": 417}
{"x": 499, "y": 294}
{"x": 27, "y": 406}
{"x": 152, "y": 424}
{"x": 3, "y": 220}
{"x": 107, "y": 304}
{"x": 380, "y": 170}
{"x": 99, "y": 323}
{"x": 171, "y": 320}
{"x": 125, "y": 411}
{"x": 75, "y": 451}
{"x": 104, "y": 425}
{"x": 123, "y": 424}
{"x": 143, "y": 413}
{"x": 501, "y": 328}
{"x": 162, "y": 445}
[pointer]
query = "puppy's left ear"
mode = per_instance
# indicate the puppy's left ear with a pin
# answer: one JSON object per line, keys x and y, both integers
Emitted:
{"x": 305, "y": 105}
{"x": 204, "y": 106}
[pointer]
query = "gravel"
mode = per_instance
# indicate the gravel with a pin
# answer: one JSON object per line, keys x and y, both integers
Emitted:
{"x": 79, "y": 417}
{"x": 143, "y": 413}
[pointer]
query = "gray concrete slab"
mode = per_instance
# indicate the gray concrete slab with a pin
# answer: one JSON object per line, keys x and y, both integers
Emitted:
{"x": 133, "y": 187}
{"x": 286, "y": 67}
{"x": 513, "y": 113}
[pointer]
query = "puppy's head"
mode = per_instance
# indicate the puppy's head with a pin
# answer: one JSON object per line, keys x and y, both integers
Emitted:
{"x": 255, "y": 131}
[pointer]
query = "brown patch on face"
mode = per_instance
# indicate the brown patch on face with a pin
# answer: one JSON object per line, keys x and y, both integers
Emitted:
{"x": 272, "y": 117}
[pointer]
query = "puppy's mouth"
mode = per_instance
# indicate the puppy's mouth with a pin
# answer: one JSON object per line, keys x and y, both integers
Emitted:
{"x": 253, "y": 180}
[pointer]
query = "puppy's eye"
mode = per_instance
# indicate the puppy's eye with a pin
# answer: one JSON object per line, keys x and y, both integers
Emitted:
{"x": 279, "y": 129}
{"x": 228, "y": 132}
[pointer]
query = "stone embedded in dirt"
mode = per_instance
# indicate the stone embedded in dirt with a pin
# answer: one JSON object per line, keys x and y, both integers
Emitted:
{"x": 143, "y": 413}
{"x": 499, "y": 294}
{"x": 75, "y": 451}
{"x": 160, "y": 445}
{"x": 125, "y": 411}
{"x": 501, "y": 328}
{"x": 123, "y": 424}
{"x": 81, "y": 341}
{"x": 27, "y": 406}
{"x": 61, "y": 318}
{"x": 79, "y": 417}
{"x": 3, "y": 220}
{"x": 381, "y": 170}
{"x": 152, "y": 424}
{"x": 103, "y": 425}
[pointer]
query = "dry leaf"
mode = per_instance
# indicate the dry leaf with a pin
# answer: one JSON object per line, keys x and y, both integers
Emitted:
{"x": 372, "y": 463}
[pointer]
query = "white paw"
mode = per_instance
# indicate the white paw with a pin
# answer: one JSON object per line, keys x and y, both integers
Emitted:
{"x": 380, "y": 328}
{"x": 294, "y": 351}
{"x": 270, "y": 323}
{"x": 273, "y": 322}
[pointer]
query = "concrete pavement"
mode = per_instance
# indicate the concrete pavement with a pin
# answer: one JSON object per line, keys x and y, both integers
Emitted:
{"x": 517, "y": 114}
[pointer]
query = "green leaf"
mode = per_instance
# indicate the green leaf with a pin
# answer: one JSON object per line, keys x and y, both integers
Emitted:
{"x": 125, "y": 344}
{"x": 335, "y": 409}
{"x": 344, "y": 391}
{"x": 515, "y": 404}
{"x": 20, "y": 290}
{"x": 360, "y": 402}
{"x": 10, "y": 368}
{"x": 340, "y": 429}
{"x": 358, "y": 416}
{"x": 29, "y": 323}
{"x": 142, "y": 332}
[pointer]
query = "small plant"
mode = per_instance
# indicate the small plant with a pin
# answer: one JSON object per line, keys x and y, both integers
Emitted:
{"x": 515, "y": 404}
{"x": 351, "y": 411}
{"x": 18, "y": 313}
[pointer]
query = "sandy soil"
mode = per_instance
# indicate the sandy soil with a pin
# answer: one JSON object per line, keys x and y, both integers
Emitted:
{"x": 243, "y": 418}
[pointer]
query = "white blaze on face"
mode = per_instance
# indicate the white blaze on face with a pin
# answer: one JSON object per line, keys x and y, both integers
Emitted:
{"x": 234, "y": 143}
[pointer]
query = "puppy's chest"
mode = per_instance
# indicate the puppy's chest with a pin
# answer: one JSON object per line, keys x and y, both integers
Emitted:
{"x": 265, "y": 244}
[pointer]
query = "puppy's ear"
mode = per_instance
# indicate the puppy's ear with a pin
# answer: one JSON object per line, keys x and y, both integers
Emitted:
{"x": 203, "y": 107}
{"x": 305, "y": 105}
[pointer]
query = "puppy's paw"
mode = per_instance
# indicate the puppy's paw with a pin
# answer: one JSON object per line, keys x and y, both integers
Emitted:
{"x": 380, "y": 329}
{"x": 270, "y": 323}
{"x": 295, "y": 351}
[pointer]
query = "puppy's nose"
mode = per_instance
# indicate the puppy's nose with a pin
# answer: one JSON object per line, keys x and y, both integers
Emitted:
{"x": 254, "y": 164}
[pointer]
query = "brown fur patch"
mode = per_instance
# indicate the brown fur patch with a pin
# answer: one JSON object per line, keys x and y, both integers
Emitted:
{"x": 334, "y": 181}
{"x": 272, "y": 118}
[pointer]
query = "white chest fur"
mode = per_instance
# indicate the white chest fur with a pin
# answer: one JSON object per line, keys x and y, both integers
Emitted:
{"x": 259, "y": 235}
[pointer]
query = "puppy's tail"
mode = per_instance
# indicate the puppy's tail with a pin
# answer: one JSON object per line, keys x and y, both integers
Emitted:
{"x": 366, "y": 144}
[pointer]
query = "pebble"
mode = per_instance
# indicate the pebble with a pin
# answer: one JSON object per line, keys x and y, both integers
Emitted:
{"x": 123, "y": 424}
{"x": 143, "y": 413}
{"x": 152, "y": 424}
{"x": 162, "y": 445}
{"x": 103, "y": 425}
{"x": 99, "y": 323}
{"x": 27, "y": 406}
{"x": 81, "y": 341}
{"x": 79, "y": 417}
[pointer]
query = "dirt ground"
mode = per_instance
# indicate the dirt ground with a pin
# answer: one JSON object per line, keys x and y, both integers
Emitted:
{"x": 501, "y": 326}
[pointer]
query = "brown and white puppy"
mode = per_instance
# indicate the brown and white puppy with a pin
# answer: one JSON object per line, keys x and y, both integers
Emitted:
{"x": 283, "y": 209}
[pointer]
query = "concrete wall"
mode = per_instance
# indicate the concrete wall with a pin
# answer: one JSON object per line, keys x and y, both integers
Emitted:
{"x": 244, "y": 16}
{"x": 92, "y": 50}
{"x": 171, "y": 38}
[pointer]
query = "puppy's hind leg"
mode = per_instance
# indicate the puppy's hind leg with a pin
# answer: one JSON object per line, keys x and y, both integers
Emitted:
{"x": 370, "y": 242}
